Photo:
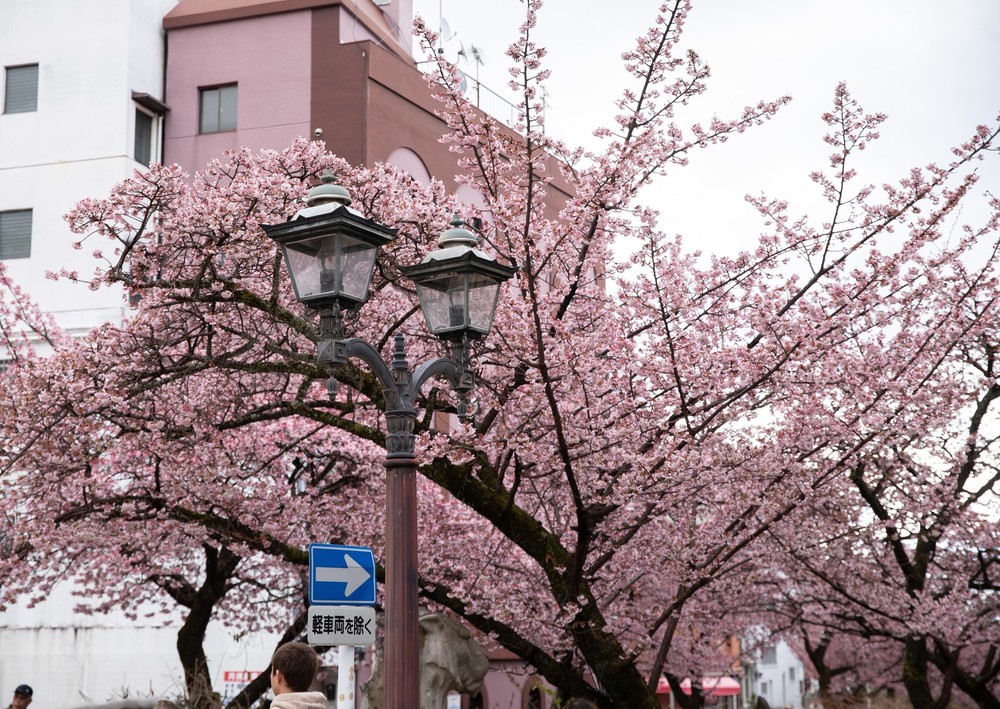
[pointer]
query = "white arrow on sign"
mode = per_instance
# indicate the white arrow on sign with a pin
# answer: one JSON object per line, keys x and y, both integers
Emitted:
{"x": 354, "y": 575}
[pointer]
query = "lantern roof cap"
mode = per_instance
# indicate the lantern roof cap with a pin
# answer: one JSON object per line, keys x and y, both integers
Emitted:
{"x": 458, "y": 235}
{"x": 455, "y": 243}
{"x": 456, "y": 250}
{"x": 326, "y": 198}
{"x": 328, "y": 192}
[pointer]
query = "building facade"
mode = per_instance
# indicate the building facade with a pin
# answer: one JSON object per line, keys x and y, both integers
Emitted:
{"x": 258, "y": 74}
{"x": 779, "y": 677}
{"x": 82, "y": 92}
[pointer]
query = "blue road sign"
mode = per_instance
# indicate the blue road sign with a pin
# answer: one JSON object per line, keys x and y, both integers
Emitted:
{"x": 341, "y": 575}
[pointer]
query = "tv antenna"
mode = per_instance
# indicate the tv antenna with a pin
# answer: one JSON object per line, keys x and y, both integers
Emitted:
{"x": 444, "y": 29}
{"x": 477, "y": 57}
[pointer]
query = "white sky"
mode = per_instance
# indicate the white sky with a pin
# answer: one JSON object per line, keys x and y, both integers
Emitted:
{"x": 933, "y": 67}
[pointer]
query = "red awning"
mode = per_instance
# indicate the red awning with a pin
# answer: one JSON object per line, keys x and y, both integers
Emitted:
{"x": 710, "y": 686}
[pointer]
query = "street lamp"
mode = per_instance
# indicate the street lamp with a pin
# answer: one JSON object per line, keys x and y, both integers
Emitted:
{"x": 330, "y": 252}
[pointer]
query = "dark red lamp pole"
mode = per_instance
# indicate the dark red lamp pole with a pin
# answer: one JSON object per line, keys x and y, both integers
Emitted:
{"x": 330, "y": 252}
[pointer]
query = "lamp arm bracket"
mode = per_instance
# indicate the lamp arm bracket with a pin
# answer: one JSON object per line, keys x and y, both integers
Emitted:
{"x": 441, "y": 366}
{"x": 359, "y": 348}
{"x": 459, "y": 376}
{"x": 401, "y": 386}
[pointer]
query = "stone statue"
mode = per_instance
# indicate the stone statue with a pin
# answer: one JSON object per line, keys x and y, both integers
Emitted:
{"x": 450, "y": 660}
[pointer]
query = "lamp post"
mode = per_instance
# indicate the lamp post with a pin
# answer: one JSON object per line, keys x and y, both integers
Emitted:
{"x": 330, "y": 251}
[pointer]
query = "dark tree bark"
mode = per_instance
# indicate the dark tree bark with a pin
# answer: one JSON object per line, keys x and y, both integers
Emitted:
{"x": 916, "y": 661}
{"x": 824, "y": 672}
{"x": 220, "y": 565}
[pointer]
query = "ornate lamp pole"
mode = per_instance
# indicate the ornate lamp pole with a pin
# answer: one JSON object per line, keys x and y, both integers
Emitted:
{"x": 330, "y": 251}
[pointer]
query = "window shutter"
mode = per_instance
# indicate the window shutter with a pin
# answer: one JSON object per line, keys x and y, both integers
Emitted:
{"x": 21, "y": 92}
{"x": 15, "y": 234}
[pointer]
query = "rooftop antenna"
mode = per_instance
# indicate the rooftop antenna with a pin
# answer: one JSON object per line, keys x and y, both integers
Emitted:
{"x": 444, "y": 29}
{"x": 464, "y": 56}
{"x": 446, "y": 33}
{"x": 545, "y": 105}
{"x": 477, "y": 57}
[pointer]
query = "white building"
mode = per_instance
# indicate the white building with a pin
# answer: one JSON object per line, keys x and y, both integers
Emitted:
{"x": 81, "y": 97}
{"x": 779, "y": 677}
{"x": 71, "y": 659}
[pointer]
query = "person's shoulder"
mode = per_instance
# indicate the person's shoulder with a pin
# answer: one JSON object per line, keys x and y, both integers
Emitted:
{"x": 298, "y": 700}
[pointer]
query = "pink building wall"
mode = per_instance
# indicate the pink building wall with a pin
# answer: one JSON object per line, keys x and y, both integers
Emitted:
{"x": 273, "y": 104}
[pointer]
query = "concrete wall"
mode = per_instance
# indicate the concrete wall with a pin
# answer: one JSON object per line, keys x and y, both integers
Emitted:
{"x": 70, "y": 658}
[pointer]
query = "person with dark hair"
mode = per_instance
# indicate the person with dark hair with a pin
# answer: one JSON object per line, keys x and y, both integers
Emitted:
{"x": 293, "y": 669}
{"x": 580, "y": 704}
{"x": 22, "y": 697}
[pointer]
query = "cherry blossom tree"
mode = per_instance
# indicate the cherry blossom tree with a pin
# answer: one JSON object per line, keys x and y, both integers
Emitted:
{"x": 891, "y": 552}
{"x": 641, "y": 454}
{"x": 145, "y": 519}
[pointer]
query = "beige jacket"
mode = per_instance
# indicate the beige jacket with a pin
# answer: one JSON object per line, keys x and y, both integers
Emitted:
{"x": 299, "y": 700}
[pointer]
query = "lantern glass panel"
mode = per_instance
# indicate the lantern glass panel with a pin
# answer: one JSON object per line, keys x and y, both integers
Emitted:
{"x": 357, "y": 261}
{"x": 483, "y": 292}
{"x": 456, "y": 302}
{"x": 304, "y": 267}
{"x": 443, "y": 301}
{"x": 331, "y": 266}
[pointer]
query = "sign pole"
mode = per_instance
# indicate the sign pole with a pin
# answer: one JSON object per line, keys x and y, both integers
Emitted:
{"x": 345, "y": 677}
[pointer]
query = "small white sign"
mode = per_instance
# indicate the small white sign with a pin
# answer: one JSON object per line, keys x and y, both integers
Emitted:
{"x": 341, "y": 625}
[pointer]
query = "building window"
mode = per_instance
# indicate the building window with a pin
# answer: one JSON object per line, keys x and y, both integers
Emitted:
{"x": 769, "y": 656}
{"x": 143, "y": 137}
{"x": 20, "y": 89}
{"x": 147, "y": 128}
{"x": 15, "y": 234}
{"x": 218, "y": 109}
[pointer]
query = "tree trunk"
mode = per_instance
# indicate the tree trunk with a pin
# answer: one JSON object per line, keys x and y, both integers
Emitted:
{"x": 623, "y": 684}
{"x": 626, "y": 688}
{"x": 824, "y": 673}
{"x": 219, "y": 567}
{"x": 915, "y": 663}
{"x": 197, "y": 680}
{"x": 695, "y": 700}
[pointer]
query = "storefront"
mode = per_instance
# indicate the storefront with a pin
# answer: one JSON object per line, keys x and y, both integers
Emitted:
{"x": 719, "y": 691}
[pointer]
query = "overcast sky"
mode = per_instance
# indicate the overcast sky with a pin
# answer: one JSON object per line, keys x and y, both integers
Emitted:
{"x": 933, "y": 67}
